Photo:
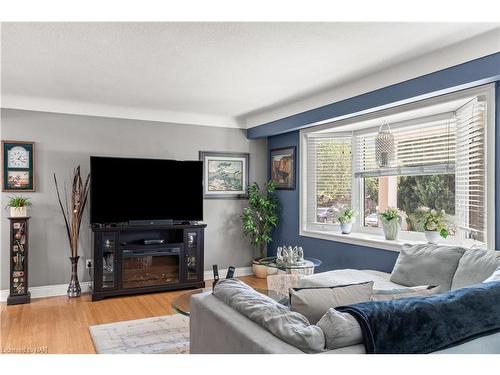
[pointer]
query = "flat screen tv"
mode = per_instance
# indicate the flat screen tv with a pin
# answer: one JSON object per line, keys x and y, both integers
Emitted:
{"x": 125, "y": 189}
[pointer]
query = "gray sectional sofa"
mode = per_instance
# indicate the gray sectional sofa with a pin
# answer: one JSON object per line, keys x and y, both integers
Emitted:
{"x": 215, "y": 327}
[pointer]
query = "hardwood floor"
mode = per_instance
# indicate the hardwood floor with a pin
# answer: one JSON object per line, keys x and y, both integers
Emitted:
{"x": 60, "y": 324}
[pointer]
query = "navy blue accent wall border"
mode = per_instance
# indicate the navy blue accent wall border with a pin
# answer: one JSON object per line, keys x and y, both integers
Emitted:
{"x": 497, "y": 166}
{"x": 337, "y": 255}
{"x": 472, "y": 73}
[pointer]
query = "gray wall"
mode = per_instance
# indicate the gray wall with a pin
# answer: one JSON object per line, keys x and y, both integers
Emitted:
{"x": 64, "y": 141}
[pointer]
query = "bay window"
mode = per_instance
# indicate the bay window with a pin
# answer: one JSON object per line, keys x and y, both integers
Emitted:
{"x": 443, "y": 159}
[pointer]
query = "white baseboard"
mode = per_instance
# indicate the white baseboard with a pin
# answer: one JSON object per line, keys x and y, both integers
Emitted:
{"x": 47, "y": 290}
{"x": 240, "y": 271}
{"x": 61, "y": 289}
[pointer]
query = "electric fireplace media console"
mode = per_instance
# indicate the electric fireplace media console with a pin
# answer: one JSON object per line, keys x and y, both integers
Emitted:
{"x": 152, "y": 258}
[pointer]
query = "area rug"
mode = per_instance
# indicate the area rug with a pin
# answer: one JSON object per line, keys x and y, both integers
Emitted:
{"x": 160, "y": 335}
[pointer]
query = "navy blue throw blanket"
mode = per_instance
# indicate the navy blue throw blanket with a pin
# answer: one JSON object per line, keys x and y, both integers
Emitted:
{"x": 427, "y": 324}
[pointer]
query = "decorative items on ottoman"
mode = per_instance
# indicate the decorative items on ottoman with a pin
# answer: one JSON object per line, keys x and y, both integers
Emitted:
{"x": 286, "y": 255}
{"x": 18, "y": 261}
{"x": 291, "y": 265}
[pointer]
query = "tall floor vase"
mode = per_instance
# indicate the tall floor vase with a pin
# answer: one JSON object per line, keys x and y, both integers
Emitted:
{"x": 74, "y": 289}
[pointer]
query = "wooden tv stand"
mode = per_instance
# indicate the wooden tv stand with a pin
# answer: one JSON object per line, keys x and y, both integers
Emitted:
{"x": 123, "y": 264}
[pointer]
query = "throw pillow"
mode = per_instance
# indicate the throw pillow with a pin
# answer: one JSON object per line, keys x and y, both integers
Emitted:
{"x": 494, "y": 277}
{"x": 291, "y": 327}
{"x": 475, "y": 266}
{"x": 340, "y": 329}
{"x": 427, "y": 264}
{"x": 418, "y": 291}
{"x": 314, "y": 302}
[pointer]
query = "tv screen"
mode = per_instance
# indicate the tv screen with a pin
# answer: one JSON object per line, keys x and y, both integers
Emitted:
{"x": 123, "y": 189}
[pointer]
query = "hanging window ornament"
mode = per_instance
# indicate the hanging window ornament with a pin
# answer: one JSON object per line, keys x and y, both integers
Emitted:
{"x": 384, "y": 146}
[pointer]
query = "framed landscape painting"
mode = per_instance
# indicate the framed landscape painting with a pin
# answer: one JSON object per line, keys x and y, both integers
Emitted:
{"x": 225, "y": 174}
{"x": 283, "y": 167}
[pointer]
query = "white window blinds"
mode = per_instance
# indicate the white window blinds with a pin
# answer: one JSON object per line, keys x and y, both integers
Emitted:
{"x": 470, "y": 175}
{"x": 427, "y": 146}
{"x": 329, "y": 176}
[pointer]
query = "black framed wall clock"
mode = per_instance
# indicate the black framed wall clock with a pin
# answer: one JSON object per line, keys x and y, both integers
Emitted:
{"x": 18, "y": 163}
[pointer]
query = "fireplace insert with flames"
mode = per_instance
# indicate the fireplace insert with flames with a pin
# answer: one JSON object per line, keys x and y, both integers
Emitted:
{"x": 151, "y": 267}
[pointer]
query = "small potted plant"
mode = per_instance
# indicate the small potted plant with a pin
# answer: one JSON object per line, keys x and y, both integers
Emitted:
{"x": 346, "y": 218}
{"x": 18, "y": 206}
{"x": 391, "y": 220}
{"x": 433, "y": 222}
{"x": 259, "y": 219}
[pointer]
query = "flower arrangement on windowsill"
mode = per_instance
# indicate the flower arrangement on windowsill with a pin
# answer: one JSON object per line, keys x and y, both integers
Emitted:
{"x": 346, "y": 218}
{"x": 433, "y": 222}
{"x": 391, "y": 220}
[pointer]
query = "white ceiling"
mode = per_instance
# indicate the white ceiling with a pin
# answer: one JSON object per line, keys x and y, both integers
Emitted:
{"x": 212, "y": 73}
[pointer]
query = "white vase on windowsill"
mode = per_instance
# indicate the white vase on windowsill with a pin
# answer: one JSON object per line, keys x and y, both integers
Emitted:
{"x": 346, "y": 228}
{"x": 432, "y": 236}
{"x": 391, "y": 228}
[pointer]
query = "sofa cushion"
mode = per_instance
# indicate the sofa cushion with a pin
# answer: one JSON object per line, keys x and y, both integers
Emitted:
{"x": 314, "y": 302}
{"x": 474, "y": 267}
{"x": 291, "y": 327}
{"x": 340, "y": 329}
{"x": 348, "y": 276}
{"x": 417, "y": 291}
{"x": 494, "y": 277}
{"x": 427, "y": 264}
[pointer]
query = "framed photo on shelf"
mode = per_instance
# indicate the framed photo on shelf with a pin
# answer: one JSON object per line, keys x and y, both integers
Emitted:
{"x": 283, "y": 166}
{"x": 225, "y": 174}
{"x": 18, "y": 163}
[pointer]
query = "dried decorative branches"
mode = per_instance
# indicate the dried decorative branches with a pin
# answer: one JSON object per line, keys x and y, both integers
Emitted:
{"x": 78, "y": 200}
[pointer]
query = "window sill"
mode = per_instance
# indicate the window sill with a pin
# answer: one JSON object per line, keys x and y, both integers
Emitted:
{"x": 372, "y": 240}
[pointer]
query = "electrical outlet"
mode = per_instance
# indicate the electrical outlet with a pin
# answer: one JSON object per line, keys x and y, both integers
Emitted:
{"x": 88, "y": 263}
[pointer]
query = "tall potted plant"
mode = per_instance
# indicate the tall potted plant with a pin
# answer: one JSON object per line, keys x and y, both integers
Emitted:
{"x": 259, "y": 219}
{"x": 72, "y": 212}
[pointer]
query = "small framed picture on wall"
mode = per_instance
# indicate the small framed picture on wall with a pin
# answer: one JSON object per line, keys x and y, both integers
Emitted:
{"x": 283, "y": 166}
{"x": 225, "y": 174}
{"x": 18, "y": 166}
